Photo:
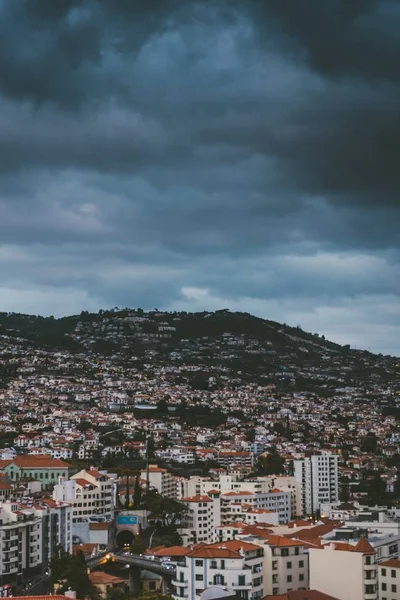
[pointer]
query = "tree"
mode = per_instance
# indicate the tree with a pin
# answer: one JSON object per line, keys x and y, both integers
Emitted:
{"x": 369, "y": 443}
{"x": 166, "y": 510}
{"x": 137, "y": 493}
{"x": 279, "y": 428}
{"x": 344, "y": 494}
{"x": 70, "y": 572}
{"x": 138, "y": 546}
{"x": 162, "y": 406}
{"x": 272, "y": 464}
{"x": 127, "y": 492}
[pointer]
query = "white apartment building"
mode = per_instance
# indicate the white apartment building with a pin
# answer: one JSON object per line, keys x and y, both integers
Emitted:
{"x": 276, "y": 494}
{"x": 275, "y": 501}
{"x": 235, "y": 566}
{"x": 319, "y": 480}
{"x": 90, "y": 492}
{"x": 203, "y": 516}
{"x": 345, "y": 571}
{"x": 21, "y": 543}
{"x": 161, "y": 480}
{"x": 288, "y": 483}
{"x": 389, "y": 579}
{"x": 56, "y": 525}
{"x": 285, "y": 565}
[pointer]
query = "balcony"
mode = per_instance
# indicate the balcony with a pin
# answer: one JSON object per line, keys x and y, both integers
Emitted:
{"x": 243, "y": 586}
{"x": 178, "y": 583}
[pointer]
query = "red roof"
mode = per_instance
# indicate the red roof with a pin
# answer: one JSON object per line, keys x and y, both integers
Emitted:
{"x": 393, "y": 563}
{"x": 197, "y": 498}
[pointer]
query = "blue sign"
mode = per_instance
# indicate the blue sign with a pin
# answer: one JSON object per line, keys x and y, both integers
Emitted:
{"x": 127, "y": 520}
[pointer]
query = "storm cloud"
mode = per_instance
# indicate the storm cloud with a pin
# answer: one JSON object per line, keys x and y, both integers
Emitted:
{"x": 193, "y": 155}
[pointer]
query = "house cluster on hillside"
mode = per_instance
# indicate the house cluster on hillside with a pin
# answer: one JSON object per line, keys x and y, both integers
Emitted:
{"x": 272, "y": 438}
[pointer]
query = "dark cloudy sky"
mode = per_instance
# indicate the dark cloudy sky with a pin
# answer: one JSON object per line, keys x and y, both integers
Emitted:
{"x": 200, "y": 155}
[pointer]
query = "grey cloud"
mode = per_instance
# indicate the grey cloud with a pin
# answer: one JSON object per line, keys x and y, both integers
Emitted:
{"x": 202, "y": 154}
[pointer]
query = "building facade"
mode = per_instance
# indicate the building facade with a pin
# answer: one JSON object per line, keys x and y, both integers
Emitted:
{"x": 319, "y": 479}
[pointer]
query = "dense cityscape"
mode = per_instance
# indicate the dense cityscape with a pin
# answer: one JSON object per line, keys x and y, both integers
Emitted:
{"x": 199, "y": 300}
{"x": 229, "y": 452}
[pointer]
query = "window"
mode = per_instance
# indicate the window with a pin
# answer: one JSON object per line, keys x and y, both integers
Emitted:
{"x": 199, "y": 577}
{"x": 394, "y": 588}
{"x": 275, "y": 591}
{"x": 285, "y": 552}
{"x": 274, "y": 578}
{"x": 222, "y": 564}
{"x": 219, "y": 580}
{"x": 383, "y": 572}
{"x": 296, "y": 551}
{"x": 289, "y": 579}
{"x": 241, "y": 580}
{"x": 370, "y": 589}
{"x": 289, "y": 565}
{"x": 198, "y": 563}
{"x": 301, "y": 577}
{"x": 393, "y": 573}
{"x": 301, "y": 564}
{"x": 383, "y": 587}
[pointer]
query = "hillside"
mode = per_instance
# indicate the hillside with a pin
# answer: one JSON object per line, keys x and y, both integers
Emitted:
{"x": 230, "y": 348}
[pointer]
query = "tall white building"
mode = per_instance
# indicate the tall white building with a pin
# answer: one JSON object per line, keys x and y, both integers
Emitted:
{"x": 90, "y": 493}
{"x": 161, "y": 480}
{"x": 21, "y": 543}
{"x": 319, "y": 479}
{"x": 202, "y": 517}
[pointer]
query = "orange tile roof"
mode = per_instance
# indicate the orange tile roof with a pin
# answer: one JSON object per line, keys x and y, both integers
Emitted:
{"x": 394, "y": 563}
{"x": 207, "y": 552}
{"x": 311, "y": 532}
{"x": 364, "y": 546}
{"x": 38, "y": 461}
{"x": 238, "y": 545}
{"x": 301, "y": 595}
{"x": 198, "y": 498}
{"x": 100, "y": 578}
{"x": 54, "y": 597}
{"x": 172, "y": 551}
{"x": 281, "y": 541}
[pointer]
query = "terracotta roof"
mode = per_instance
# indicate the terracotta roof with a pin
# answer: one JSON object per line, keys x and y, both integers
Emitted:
{"x": 95, "y": 473}
{"x": 198, "y": 498}
{"x": 302, "y": 595}
{"x": 212, "y": 552}
{"x": 281, "y": 542}
{"x": 311, "y": 532}
{"x": 238, "y": 545}
{"x": 100, "y": 578}
{"x": 172, "y": 551}
{"x": 54, "y": 597}
{"x": 84, "y": 482}
{"x": 37, "y": 461}
{"x": 364, "y": 546}
{"x": 394, "y": 563}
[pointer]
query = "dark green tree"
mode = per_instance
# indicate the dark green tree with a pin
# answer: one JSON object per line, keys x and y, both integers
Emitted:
{"x": 137, "y": 493}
